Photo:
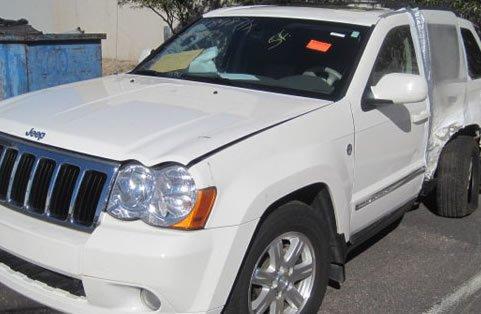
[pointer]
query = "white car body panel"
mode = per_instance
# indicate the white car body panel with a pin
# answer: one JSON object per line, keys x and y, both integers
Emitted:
{"x": 474, "y": 84}
{"x": 189, "y": 271}
{"x": 255, "y": 147}
{"x": 389, "y": 146}
{"x": 312, "y": 157}
{"x": 123, "y": 117}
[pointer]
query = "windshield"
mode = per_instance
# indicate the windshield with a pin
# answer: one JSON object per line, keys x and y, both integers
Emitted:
{"x": 307, "y": 58}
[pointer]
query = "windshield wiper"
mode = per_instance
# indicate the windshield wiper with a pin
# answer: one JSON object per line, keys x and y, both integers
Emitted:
{"x": 150, "y": 73}
{"x": 215, "y": 78}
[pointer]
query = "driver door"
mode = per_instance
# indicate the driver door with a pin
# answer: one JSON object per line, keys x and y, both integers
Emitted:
{"x": 390, "y": 139}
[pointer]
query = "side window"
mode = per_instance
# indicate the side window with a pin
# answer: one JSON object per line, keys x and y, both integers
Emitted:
{"x": 473, "y": 53}
{"x": 447, "y": 63}
{"x": 397, "y": 55}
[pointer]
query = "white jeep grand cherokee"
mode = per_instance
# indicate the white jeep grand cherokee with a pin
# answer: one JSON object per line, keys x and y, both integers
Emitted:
{"x": 238, "y": 165}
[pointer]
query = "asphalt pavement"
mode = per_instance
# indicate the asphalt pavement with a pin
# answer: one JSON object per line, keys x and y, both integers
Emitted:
{"x": 414, "y": 268}
{"x": 423, "y": 264}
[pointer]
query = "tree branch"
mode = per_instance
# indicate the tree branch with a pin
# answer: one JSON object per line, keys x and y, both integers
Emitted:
{"x": 167, "y": 19}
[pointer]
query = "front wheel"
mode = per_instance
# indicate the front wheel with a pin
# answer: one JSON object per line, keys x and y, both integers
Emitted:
{"x": 286, "y": 268}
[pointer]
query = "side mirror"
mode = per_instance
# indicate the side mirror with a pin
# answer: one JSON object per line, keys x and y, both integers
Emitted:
{"x": 398, "y": 88}
{"x": 144, "y": 54}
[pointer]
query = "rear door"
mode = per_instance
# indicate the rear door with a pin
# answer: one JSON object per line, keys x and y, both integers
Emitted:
{"x": 472, "y": 45}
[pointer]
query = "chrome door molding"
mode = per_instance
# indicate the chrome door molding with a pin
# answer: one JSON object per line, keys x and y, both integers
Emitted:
{"x": 391, "y": 188}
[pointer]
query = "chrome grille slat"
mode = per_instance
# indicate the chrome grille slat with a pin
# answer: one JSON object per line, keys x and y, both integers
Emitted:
{"x": 89, "y": 194}
{"x": 27, "y": 168}
{"x": 76, "y": 189}
{"x": 20, "y": 180}
{"x": 53, "y": 181}
{"x": 12, "y": 176}
{"x": 41, "y": 183}
{"x": 6, "y": 169}
{"x": 63, "y": 191}
{"x": 30, "y": 182}
{"x": 2, "y": 156}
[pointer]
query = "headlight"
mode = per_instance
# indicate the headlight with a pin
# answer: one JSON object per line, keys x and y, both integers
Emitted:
{"x": 165, "y": 197}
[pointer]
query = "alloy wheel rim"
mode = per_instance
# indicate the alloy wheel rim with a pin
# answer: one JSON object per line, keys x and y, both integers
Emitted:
{"x": 283, "y": 278}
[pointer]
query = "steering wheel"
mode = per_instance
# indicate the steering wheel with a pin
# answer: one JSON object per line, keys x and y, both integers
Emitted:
{"x": 329, "y": 75}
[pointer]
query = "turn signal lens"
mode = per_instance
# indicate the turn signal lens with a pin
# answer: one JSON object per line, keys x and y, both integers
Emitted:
{"x": 200, "y": 213}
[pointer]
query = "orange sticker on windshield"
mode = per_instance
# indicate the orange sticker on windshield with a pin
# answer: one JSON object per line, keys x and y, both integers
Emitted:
{"x": 319, "y": 46}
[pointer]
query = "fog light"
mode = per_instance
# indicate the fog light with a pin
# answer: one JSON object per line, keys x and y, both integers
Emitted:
{"x": 150, "y": 300}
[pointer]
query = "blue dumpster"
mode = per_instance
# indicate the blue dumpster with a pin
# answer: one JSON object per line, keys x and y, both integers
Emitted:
{"x": 33, "y": 61}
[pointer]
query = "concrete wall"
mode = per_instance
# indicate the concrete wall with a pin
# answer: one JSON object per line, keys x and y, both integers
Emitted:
{"x": 137, "y": 28}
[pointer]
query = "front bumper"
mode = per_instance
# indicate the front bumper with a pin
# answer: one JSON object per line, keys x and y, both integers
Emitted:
{"x": 190, "y": 272}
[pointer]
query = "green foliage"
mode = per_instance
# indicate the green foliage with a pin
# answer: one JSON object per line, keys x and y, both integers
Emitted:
{"x": 185, "y": 11}
{"x": 469, "y": 9}
{"x": 177, "y": 13}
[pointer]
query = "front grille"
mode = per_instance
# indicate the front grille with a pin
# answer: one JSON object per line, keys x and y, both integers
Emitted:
{"x": 63, "y": 191}
{"x": 88, "y": 196}
{"x": 41, "y": 181}
{"x": 37, "y": 273}
{"x": 58, "y": 186}
{"x": 7, "y": 163}
{"x": 22, "y": 176}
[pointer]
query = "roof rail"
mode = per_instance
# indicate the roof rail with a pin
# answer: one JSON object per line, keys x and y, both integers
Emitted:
{"x": 400, "y": 4}
{"x": 337, "y": 4}
{"x": 358, "y": 4}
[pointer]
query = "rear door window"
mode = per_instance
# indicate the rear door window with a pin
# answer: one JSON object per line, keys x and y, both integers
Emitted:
{"x": 446, "y": 58}
{"x": 473, "y": 53}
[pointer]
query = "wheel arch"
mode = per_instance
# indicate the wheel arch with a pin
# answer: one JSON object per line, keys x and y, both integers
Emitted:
{"x": 429, "y": 186}
{"x": 469, "y": 130}
{"x": 319, "y": 197}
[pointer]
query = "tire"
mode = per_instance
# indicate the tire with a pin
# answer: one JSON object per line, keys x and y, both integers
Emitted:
{"x": 458, "y": 178}
{"x": 262, "y": 278}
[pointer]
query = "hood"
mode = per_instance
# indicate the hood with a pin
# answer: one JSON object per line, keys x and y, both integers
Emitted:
{"x": 148, "y": 119}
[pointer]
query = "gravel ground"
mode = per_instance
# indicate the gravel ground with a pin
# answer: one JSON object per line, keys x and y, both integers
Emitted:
{"x": 407, "y": 269}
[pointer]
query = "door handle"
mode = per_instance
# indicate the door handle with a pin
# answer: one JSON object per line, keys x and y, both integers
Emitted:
{"x": 421, "y": 117}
